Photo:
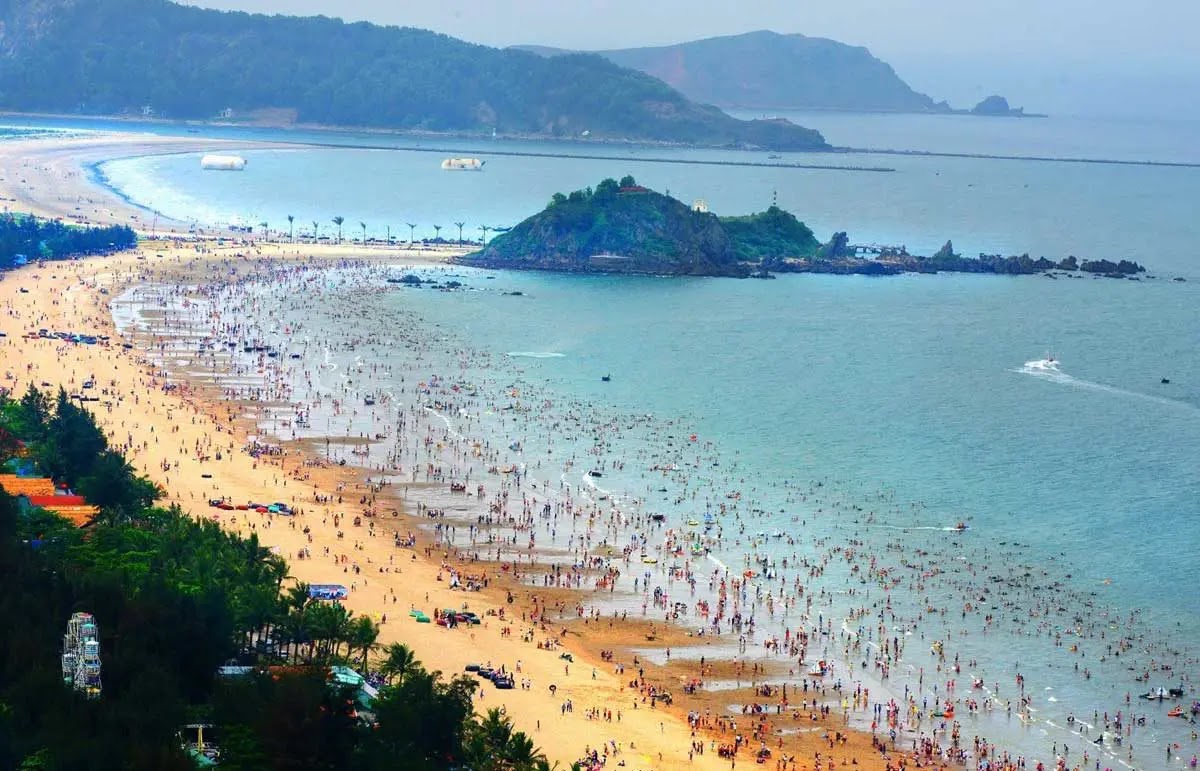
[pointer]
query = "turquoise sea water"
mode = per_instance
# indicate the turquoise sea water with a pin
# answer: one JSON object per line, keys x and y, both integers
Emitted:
{"x": 916, "y": 401}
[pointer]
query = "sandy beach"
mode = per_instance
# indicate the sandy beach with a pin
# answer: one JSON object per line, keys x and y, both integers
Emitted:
{"x": 188, "y": 439}
{"x": 51, "y": 177}
{"x": 426, "y": 475}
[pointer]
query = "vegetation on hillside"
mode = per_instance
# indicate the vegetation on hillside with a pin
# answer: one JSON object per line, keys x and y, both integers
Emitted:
{"x": 769, "y": 236}
{"x": 37, "y": 239}
{"x": 617, "y": 227}
{"x": 120, "y": 56}
{"x": 770, "y": 71}
{"x": 621, "y": 227}
{"x": 174, "y": 599}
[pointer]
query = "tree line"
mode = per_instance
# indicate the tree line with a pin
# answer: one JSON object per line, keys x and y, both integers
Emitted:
{"x": 175, "y": 598}
{"x": 36, "y": 239}
{"x": 177, "y": 61}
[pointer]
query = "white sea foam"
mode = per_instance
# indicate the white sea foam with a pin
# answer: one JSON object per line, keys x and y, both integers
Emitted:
{"x": 534, "y": 355}
{"x": 1051, "y": 370}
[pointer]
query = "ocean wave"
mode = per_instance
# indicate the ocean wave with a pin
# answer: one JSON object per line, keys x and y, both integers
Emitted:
{"x": 1051, "y": 371}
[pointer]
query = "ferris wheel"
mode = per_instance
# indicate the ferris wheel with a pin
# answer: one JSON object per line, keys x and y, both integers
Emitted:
{"x": 81, "y": 655}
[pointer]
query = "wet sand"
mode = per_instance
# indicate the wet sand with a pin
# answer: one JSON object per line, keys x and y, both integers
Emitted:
{"x": 175, "y": 435}
{"x": 51, "y": 177}
{"x": 174, "y": 427}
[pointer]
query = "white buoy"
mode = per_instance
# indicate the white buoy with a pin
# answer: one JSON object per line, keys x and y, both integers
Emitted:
{"x": 223, "y": 163}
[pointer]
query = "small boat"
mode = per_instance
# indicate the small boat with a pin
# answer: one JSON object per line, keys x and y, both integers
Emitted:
{"x": 594, "y": 473}
{"x": 1155, "y": 694}
{"x": 1165, "y": 381}
{"x": 369, "y": 401}
{"x": 960, "y": 527}
{"x": 606, "y": 378}
{"x": 1176, "y": 712}
{"x": 462, "y": 164}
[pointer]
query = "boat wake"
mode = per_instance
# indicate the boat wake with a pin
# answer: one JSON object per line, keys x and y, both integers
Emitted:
{"x": 534, "y": 355}
{"x": 1050, "y": 370}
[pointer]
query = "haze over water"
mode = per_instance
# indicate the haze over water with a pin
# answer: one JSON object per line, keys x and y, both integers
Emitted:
{"x": 923, "y": 400}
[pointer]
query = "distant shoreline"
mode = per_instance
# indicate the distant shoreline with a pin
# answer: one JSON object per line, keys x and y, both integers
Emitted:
{"x": 1036, "y": 158}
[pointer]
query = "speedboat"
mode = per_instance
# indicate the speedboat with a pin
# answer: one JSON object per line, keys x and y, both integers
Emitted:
{"x": 1155, "y": 694}
{"x": 961, "y": 526}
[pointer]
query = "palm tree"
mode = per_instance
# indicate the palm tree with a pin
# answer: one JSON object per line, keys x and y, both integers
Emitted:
{"x": 363, "y": 225}
{"x": 328, "y": 624}
{"x": 338, "y": 220}
{"x": 520, "y": 753}
{"x": 497, "y": 747}
{"x": 291, "y": 228}
{"x": 316, "y": 228}
{"x": 437, "y": 229}
{"x": 265, "y": 227}
{"x": 460, "y": 227}
{"x": 389, "y": 235}
{"x": 361, "y": 634}
{"x": 398, "y": 663}
{"x": 485, "y": 229}
{"x": 412, "y": 230}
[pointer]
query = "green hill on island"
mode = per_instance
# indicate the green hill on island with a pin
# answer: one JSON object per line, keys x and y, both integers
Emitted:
{"x": 622, "y": 227}
{"x": 156, "y": 58}
{"x": 770, "y": 71}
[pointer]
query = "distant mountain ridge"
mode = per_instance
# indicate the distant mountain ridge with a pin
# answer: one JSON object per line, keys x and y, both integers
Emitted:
{"x": 157, "y": 58}
{"x": 771, "y": 71}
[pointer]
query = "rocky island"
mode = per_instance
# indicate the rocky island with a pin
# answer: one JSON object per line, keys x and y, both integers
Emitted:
{"x": 623, "y": 227}
{"x": 997, "y": 106}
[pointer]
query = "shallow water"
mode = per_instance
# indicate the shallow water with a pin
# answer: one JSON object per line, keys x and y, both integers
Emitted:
{"x": 849, "y": 412}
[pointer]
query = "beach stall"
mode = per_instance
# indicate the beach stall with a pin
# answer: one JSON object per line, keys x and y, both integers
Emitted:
{"x": 328, "y": 592}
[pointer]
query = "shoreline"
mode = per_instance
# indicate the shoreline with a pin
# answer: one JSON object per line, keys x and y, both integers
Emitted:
{"x": 184, "y": 266}
{"x": 58, "y": 178}
{"x": 650, "y": 737}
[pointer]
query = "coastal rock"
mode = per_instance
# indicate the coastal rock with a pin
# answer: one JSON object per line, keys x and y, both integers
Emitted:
{"x": 996, "y": 105}
{"x": 616, "y": 228}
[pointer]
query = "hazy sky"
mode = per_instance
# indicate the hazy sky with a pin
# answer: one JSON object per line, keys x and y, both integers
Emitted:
{"x": 1072, "y": 56}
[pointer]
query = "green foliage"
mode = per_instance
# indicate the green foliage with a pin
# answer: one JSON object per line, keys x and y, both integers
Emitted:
{"x": 175, "y": 598}
{"x": 117, "y": 56}
{"x": 50, "y": 239}
{"x": 772, "y": 234}
{"x": 639, "y": 231}
{"x": 648, "y": 231}
{"x": 111, "y": 483}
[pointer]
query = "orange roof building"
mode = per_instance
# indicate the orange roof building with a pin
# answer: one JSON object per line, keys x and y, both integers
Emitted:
{"x": 33, "y": 486}
{"x": 39, "y": 492}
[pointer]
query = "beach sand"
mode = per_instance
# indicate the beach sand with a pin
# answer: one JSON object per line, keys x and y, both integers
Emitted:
{"x": 171, "y": 433}
{"x": 51, "y": 177}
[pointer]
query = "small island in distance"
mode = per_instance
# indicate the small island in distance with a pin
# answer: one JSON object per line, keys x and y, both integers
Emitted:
{"x": 621, "y": 227}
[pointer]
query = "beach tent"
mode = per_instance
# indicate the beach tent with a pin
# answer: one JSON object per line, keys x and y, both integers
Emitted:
{"x": 328, "y": 592}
